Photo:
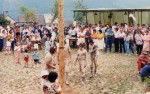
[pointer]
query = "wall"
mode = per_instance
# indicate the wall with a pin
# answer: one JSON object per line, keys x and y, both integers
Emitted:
{"x": 119, "y": 17}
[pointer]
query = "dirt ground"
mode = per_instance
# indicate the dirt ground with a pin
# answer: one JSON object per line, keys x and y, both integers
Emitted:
{"x": 117, "y": 74}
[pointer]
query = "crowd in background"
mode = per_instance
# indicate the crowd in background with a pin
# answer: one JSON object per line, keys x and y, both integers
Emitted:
{"x": 125, "y": 38}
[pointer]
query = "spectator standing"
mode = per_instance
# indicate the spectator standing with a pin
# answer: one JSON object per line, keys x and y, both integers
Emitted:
{"x": 109, "y": 39}
{"x": 121, "y": 40}
{"x": 126, "y": 44}
{"x": 139, "y": 42}
{"x": 116, "y": 39}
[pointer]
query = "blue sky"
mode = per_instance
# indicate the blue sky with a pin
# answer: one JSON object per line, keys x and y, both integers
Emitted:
{"x": 44, "y": 6}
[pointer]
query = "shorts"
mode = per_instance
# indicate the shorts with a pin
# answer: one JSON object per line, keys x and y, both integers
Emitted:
{"x": 26, "y": 59}
{"x": 28, "y": 47}
{"x": 36, "y": 60}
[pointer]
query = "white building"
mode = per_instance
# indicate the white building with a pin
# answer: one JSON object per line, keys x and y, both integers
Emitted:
{"x": 12, "y": 21}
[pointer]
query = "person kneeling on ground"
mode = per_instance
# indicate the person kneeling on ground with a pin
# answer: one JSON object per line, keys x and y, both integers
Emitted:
{"x": 145, "y": 72}
{"x": 45, "y": 81}
{"x": 54, "y": 87}
{"x": 49, "y": 83}
{"x": 142, "y": 61}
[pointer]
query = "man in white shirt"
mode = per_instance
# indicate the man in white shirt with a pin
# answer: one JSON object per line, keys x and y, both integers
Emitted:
{"x": 116, "y": 39}
{"x": 73, "y": 34}
{"x": 121, "y": 40}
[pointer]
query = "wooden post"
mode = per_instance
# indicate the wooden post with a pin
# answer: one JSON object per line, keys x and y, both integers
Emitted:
{"x": 61, "y": 43}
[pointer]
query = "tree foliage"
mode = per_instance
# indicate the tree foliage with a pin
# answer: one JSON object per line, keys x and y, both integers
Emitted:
{"x": 78, "y": 4}
{"x": 29, "y": 14}
{"x": 3, "y": 21}
{"x": 54, "y": 11}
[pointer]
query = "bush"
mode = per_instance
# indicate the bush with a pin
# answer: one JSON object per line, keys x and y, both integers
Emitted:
{"x": 3, "y": 21}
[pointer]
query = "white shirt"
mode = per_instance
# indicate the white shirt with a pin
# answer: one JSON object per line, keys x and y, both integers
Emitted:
{"x": 122, "y": 35}
{"x": 72, "y": 32}
{"x": 8, "y": 43}
{"x": 77, "y": 29}
{"x": 116, "y": 34}
{"x": 131, "y": 36}
{"x": 81, "y": 34}
{"x": 97, "y": 28}
{"x": 17, "y": 48}
{"x": 139, "y": 39}
{"x": 1, "y": 35}
{"x": 113, "y": 28}
{"x": 53, "y": 35}
{"x": 52, "y": 88}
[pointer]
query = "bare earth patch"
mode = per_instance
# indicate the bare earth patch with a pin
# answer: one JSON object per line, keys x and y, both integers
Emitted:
{"x": 117, "y": 74}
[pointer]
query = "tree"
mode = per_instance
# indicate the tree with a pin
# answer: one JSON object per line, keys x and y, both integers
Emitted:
{"x": 78, "y": 4}
{"x": 3, "y": 21}
{"x": 29, "y": 14}
{"x": 54, "y": 11}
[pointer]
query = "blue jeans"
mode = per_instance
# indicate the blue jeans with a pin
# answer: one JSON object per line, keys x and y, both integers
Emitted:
{"x": 109, "y": 41}
{"x": 126, "y": 44}
{"x": 131, "y": 48}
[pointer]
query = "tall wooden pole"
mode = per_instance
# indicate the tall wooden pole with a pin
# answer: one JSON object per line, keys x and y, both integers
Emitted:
{"x": 61, "y": 43}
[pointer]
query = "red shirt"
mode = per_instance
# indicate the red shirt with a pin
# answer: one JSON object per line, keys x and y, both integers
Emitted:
{"x": 142, "y": 61}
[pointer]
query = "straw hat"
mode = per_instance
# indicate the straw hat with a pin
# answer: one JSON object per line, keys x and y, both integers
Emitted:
{"x": 44, "y": 72}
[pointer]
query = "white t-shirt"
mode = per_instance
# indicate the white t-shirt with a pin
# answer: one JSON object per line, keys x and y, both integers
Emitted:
{"x": 8, "y": 43}
{"x": 17, "y": 48}
{"x": 116, "y": 34}
{"x": 122, "y": 35}
{"x": 53, "y": 88}
{"x": 97, "y": 29}
{"x": 53, "y": 36}
{"x": 72, "y": 32}
{"x": 81, "y": 34}
{"x": 26, "y": 54}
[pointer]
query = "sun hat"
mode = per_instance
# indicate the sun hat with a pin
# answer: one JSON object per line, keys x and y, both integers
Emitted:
{"x": 44, "y": 72}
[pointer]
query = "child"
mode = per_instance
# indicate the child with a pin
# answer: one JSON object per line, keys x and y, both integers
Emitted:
{"x": 36, "y": 56}
{"x": 47, "y": 45}
{"x": 82, "y": 60}
{"x": 17, "y": 52}
{"x": 8, "y": 47}
{"x": 94, "y": 55}
{"x": 26, "y": 58}
{"x": 28, "y": 45}
{"x": 53, "y": 87}
{"x": 126, "y": 44}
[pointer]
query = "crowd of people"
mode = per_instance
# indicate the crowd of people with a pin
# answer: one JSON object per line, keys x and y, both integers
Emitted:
{"x": 91, "y": 39}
